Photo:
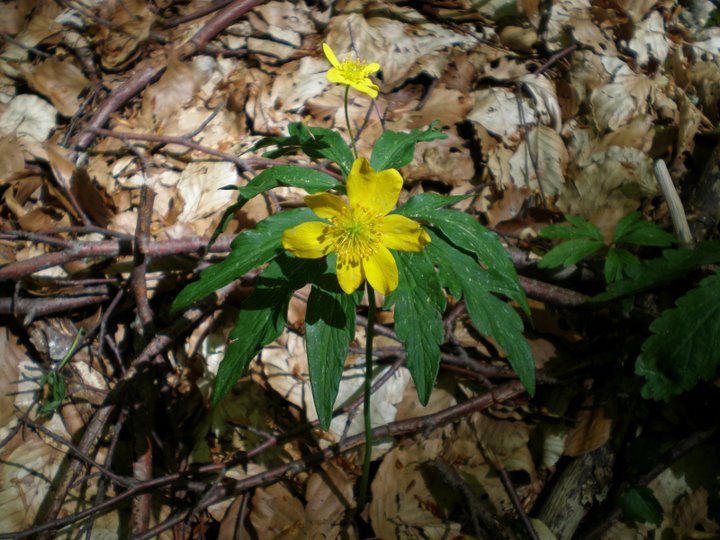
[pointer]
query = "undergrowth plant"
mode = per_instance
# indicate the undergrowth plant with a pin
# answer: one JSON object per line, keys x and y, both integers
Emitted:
{"x": 684, "y": 345}
{"x": 412, "y": 255}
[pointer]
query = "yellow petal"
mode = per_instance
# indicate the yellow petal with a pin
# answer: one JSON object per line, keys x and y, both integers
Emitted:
{"x": 336, "y": 76}
{"x": 403, "y": 233}
{"x": 349, "y": 273}
{"x": 308, "y": 240}
{"x": 366, "y": 87}
{"x": 376, "y": 191}
{"x": 381, "y": 270}
{"x": 326, "y": 205}
{"x": 330, "y": 55}
{"x": 372, "y": 68}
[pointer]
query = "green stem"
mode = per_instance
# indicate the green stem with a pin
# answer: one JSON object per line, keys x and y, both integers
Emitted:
{"x": 368, "y": 389}
{"x": 347, "y": 121}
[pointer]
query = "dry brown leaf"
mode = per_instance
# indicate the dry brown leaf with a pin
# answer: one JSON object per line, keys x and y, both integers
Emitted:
{"x": 11, "y": 159}
{"x": 61, "y": 81}
{"x": 330, "y": 500}
{"x": 402, "y": 506}
{"x": 276, "y": 513}
{"x": 574, "y": 17}
{"x": 501, "y": 112}
{"x": 508, "y": 441}
{"x": 615, "y": 179}
{"x": 649, "y": 40}
{"x": 172, "y": 92}
{"x": 617, "y": 103}
{"x": 121, "y": 44}
{"x": 29, "y": 118}
{"x": 540, "y": 161}
{"x": 27, "y": 466}
{"x": 593, "y": 425}
{"x": 200, "y": 187}
{"x": 518, "y": 38}
{"x": 9, "y": 372}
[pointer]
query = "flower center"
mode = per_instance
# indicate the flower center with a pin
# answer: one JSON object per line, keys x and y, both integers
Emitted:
{"x": 354, "y": 70}
{"x": 356, "y": 233}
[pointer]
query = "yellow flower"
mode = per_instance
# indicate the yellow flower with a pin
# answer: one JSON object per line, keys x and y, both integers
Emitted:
{"x": 361, "y": 233}
{"x": 352, "y": 72}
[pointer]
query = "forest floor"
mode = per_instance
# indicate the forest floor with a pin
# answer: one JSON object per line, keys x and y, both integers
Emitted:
{"x": 120, "y": 123}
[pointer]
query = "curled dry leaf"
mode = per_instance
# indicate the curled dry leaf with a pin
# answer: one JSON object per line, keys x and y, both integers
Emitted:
{"x": 501, "y": 112}
{"x": 29, "y": 118}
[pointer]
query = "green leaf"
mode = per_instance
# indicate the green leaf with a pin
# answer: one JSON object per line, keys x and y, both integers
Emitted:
{"x": 490, "y": 315}
{"x": 640, "y": 504}
{"x": 419, "y": 303}
{"x": 315, "y": 142}
{"x": 674, "y": 264}
{"x": 570, "y": 252}
{"x": 329, "y": 328}
{"x": 250, "y": 249}
{"x": 262, "y": 317}
{"x": 395, "y": 149}
{"x": 421, "y": 204}
{"x": 632, "y": 230}
{"x": 310, "y": 180}
{"x": 618, "y": 263}
{"x": 467, "y": 234}
{"x": 685, "y": 346}
{"x": 577, "y": 228}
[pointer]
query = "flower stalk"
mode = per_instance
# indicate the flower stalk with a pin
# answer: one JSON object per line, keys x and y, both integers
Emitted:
{"x": 369, "y": 335}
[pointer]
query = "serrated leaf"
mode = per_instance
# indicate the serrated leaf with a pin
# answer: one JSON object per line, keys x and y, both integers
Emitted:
{"x": 419, "y": 303}
{"x": 640, "y": 504}
{"x": 674, "y": 264}
{"x": 423, "y": 203}
{"x": 329, "y": 328}
{"x": 632, "y": 230}
{"x": 618, "y": 263}
{"x": 569, "y": 253}
{"x": 490, "y": 315}
{"x": 315, "y": 142}
{"x": 577, "y": 228}
{"x": 262, "y": 317}
{"x": 394, "y": 149}
{"x": 465, "y": 233}
{"x": 685, "y": 345}
{"x": 250, "y": 249}
{"x": 310, "y": 180}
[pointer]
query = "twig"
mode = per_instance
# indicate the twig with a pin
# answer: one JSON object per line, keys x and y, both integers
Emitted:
{"x": 552, "y": 294}
{"x": 207, "y": 10}
{"x": 554, "y": 58}
{"x": 512, "y": 493}
{"x": 109, "y": 249}
{"x": 40, "y": 307}
{"x": 87, "y": 442}
{"x": 675, "y": 206}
